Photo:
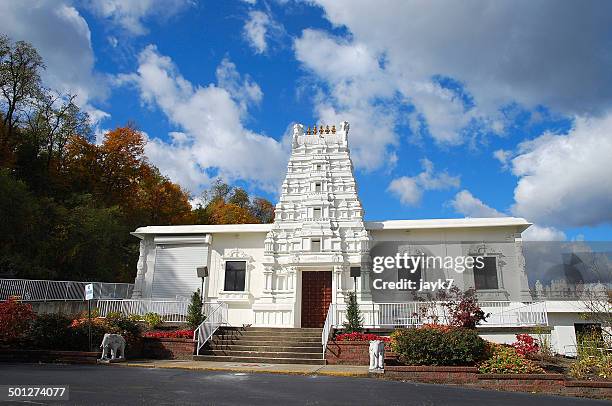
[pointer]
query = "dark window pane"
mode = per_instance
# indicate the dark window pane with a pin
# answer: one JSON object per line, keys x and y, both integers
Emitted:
{"x": 407, "y": 273}
{"x": 235, "y": 275}
{"x": 486, "y": 277}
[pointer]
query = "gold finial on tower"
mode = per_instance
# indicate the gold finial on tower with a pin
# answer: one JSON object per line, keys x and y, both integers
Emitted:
{"x": 327, "y": 130}
{"x": 333, "y": 130}
{"x": 321, "y": 130}
{"x": 314, "y": 131}
{"x": 308, "y": 131}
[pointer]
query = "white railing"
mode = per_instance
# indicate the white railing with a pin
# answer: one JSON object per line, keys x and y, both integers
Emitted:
{"x": 37, "y": 290}
{"x": 215, "y": 318}
{"x": 327, "y": 327}
{"x": 523, "y": 315}
{"x": 392, "y": 315}
{"x": 169, "y": 310}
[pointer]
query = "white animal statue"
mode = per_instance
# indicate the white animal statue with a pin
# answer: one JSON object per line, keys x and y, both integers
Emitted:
{"x": 113, "y": 347}
{"x": 377, "y": 355}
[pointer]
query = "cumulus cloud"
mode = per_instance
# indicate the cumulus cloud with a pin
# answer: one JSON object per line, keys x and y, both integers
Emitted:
{"x": 245, "y": 90}
{"x": 542, "y": 233}
{"x": 130, "y": 14}
{"x": 564, "y": 180}
{"x": 470, "y": 206}
{"x": 356, "y": 82}
{"x": 495, "y": 54}
{"x": 212, "y": 137}
{"x": 62, "y": 37}
{"x": 410, "y": 189}
{"x": 519, "y": 51}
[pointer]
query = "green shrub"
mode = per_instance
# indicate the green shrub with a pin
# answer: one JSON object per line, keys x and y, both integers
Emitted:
{"x": 153, "y": 320}
{"x": 354, "y": 319}
{"x": 117, "y": 323}
{"x": 194, "y": 311}
{"x": 79, "y": 334}
{"x": 506, "y": 360}
{"x": 438, "y": 346}
{"x": 587, "y": 366}
{"x": 51, "y": 332}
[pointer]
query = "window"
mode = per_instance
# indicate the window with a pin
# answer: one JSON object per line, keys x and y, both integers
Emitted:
{"x": 318, "y": 187}
{"x": 407, "y": 273}
{"x": 235, "y": 275}
{"x": 318, "y": 167}
{"x": 315, "y": 245}
{"x": 316, "y": 213}
{"x": 486, "y": 277}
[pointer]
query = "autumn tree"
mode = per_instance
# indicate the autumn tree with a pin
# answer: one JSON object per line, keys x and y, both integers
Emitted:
{"x": 223, "y": 204}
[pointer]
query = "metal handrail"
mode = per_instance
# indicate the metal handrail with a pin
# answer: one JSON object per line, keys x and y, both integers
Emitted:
{"x": 41, "y": 290}
{"x": 327, "y": 327}
{"x": 215, "y": 319}
{"x": 170, "y": 310}
{"x": 407, "y": 314}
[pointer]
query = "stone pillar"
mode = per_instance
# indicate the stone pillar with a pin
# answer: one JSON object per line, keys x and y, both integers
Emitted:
{"x": 337, "y": 284}
{"x": 268, "y": 273}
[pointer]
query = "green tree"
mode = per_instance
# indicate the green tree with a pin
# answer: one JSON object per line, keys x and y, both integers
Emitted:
{"x": 20, "y": 66}
{"x": 194, "y": 311}
{"x": 354, "y": 319}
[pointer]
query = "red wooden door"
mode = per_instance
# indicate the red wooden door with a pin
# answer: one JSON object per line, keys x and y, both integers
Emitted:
{"x": 316, "y": 297}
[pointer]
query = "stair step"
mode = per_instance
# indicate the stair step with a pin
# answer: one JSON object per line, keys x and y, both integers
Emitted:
{"x": 278, "y": 334}
{"x": 266, "y": 360}
{"x": 273, "y": 329}
{"x": 260, "y": 354}
{"x": 271, "y": 339}
{"x": 265, "y": 348}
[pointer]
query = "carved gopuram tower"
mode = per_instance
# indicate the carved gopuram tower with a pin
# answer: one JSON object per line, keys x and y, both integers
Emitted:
{"x": 318, "y": 233}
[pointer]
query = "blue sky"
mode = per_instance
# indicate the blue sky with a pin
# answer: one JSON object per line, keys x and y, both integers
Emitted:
{"x": 456, "y": 108}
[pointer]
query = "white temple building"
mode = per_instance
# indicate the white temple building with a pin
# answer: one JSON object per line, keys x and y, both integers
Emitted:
{"x": 289, "y": 273}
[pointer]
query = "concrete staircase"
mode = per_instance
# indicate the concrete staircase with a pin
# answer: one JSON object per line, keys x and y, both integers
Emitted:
{"x": 264, "y": 345}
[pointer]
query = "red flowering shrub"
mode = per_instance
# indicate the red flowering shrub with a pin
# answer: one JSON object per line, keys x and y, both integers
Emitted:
{"x": 463, "y": 307}
{"x": 169, "y": 334}
{"x": 506, "y": 360}
{"x": 361, "y": 337}
{"x": 15, "y": 320}
{"x": 526, "y": 345}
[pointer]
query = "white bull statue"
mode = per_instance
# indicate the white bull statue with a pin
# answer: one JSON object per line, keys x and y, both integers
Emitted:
{"x": 377, "y": 355}
{"x": 113, "y": 347}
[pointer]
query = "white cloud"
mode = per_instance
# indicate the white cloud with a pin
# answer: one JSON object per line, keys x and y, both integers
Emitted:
{"x": 62, "y": 37}
{"x": 470, "y": 206}
{"x": 244, "y": 90}
{"x": 255, "y": 30}
{"x": 541, "y": 233}
{"x": 410, "y": 189}
{"x": 262, "y": 31}
{"x": 407, "y": 190}
{"x": 212, "y": 136}
{"x": 564, "y": 180}
{"x": 356, "y": 81}
{"x": 529, "y": 53}
{"x": 130, "y": 14}
{"x": 503, "y": 156}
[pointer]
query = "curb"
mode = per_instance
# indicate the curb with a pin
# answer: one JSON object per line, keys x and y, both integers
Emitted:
{"x": 264, "y": 371}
